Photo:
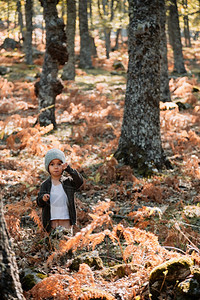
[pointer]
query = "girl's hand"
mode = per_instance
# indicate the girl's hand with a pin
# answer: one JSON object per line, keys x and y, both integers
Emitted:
{"x": 46, "y": 197}
{"x": 64, "y": 166}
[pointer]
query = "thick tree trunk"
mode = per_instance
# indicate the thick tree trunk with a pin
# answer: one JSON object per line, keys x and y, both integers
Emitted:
{"x": 140, "y": 141}
{"x": 29, "y": 30}
{"x": 175, "y": 38}
{"x": 164, "y": 78}
{"x": 69, "y": 68}
{"x": 49, "y": 85}
{"x": 85, "y": 49}
{"x": 10, "y": 286}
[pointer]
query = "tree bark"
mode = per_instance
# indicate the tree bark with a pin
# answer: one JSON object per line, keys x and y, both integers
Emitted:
{"x": 85, "y": 49}
{"x": 175, "y": 38}
{"x": 187, "y": 31}
{"x": 107, "y": 33}
{"x": 116, "y": 47}
{"x": 20, "y": 19}
{"x": 10, "y": 286}
{"x": 69, "y": 68}
{"x": 29, "y": 30}
{"x": 140, "y": 140}
{"x": 56, "y": 53}
{"x": 186, "y": 24}
{"x": 107, "y": 16}
{"x": 164, "y": 77}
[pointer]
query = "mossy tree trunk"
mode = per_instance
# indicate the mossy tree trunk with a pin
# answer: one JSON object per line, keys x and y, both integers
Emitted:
{"x": 56, "y": 53}
{"x": 175, "y": 37}
{"x": 69, "y": 68}
{"x": 140, "y": 140}
{"x": 10, "y": 286}
{"x": 164, "y": 77}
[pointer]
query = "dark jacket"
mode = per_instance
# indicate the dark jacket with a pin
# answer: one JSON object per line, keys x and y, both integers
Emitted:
{"x": 70, "y": 186}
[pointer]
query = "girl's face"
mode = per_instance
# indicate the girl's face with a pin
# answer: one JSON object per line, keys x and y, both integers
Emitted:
{"x": 56, "y": 168}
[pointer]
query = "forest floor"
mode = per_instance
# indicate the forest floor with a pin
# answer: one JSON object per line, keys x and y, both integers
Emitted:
{"x": 115, "y": 204}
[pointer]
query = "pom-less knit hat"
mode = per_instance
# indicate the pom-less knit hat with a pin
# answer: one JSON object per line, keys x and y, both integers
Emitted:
{"x": 53, "y": 154}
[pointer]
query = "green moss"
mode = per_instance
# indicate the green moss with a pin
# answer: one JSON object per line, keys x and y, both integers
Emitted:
{"x": 28, "y": 282}
{"x": 171, "y": 269}
{"x": 91, "y": 259}
{"x": 41, "y": 276}
{"x": 119, "y": 271}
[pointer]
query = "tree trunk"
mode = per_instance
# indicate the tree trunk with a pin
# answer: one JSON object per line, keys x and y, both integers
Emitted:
{"x": 187, "y": 31}
{"x": 107, "y": 29}
{"x": 91, "y": 14}
{"x": 116, "y": 47}
{"x": 10, "y": 286}
{"x": 93, "y": 47}
{"x": 49, "y": 85}
{"x": 164, "y": 78}
{"x": 107, "y": 32}
{"x": 140, "y": 140}
{"x": 20, "y": 19}
{"x": 85, "y": 49}
{"x": 175, "y": 38}
{"x": 69, "y": 68}
{"x": 29, "y": 30}
{"x": 186, "y": 24}
{"x": 8, "y": 15}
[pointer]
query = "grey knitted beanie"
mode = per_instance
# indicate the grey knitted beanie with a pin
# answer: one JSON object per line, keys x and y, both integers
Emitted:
{"x": 53, "y": 154}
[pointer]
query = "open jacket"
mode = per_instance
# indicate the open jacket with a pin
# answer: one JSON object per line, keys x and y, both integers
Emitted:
{"x": 70, "y": 186}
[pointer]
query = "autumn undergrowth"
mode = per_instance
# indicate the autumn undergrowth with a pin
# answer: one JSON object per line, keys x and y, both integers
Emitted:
{"x": 131, "y": 221}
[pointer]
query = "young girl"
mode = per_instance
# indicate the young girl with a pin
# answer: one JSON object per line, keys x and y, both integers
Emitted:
{"x": 56, "y": 195}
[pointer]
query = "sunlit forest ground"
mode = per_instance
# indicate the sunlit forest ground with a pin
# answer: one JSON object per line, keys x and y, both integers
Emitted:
{"x": 126, "y": 218}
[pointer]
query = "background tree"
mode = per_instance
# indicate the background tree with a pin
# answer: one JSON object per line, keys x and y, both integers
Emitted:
{"x": 140, "y": 140}
{"x": 186, "y": 24}
{"x": 164, "y": 78}
{"x": 108, "y": 13}
{"x": 20, "y": 20}
{"x": 56, "y": 53}
{"x": 85, "y": 49}
{"x": 10, "y": 286}
{"x": 175, "y": 37}
{"x": 112, "y": 16}
{"x": 120, "y": 21}
{"x": 69, "y": 68}
{"x": 29, "y": 31}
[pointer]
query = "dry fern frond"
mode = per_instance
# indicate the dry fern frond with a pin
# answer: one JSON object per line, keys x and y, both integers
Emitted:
{"x": 53, "y": 286}
{"x": 98, "y": 238}
{"x": 85, "y": 274}
{"x": 13, "y": 225}
{"x": 84, "y": 238}
{"x": 95, "y": 293}
{"x": 36, "y": 219}
{"x": 152, "y": 192}
{"x": 101, "y": 207}
{"x": 19, "y": 208}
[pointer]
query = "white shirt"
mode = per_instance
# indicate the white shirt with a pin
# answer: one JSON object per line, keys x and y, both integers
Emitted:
{"x": 58, "y": 201}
